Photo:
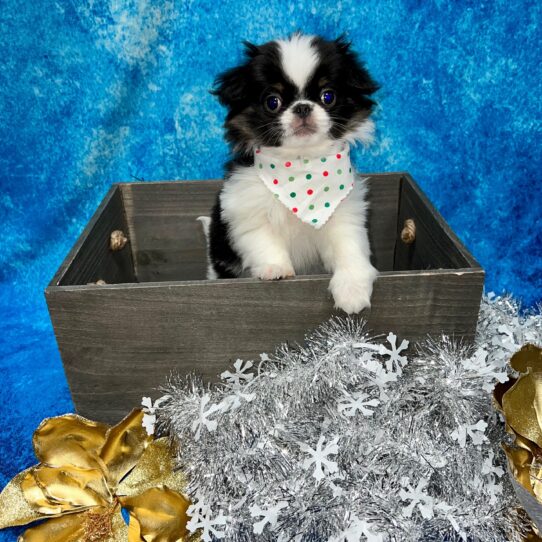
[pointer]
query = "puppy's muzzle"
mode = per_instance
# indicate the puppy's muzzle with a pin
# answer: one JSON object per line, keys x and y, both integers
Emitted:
{"x": 303, "y": 122}
{"x": 302, "y": 110}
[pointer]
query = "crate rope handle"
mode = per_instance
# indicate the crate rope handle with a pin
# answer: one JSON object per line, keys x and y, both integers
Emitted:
{"x": 117, "y": 240}
{"x": 408, "y": 233}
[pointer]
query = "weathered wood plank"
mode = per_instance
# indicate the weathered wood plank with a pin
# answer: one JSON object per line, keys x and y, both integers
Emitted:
{"x": 168, "y": 242}
{"x": 91, "y": 259}
{"x": 383, "y": 197}
{"x": 120, "y": 342}
{"x": 436, "y": 246}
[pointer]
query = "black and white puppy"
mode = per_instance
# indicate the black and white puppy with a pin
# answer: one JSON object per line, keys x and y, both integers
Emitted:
{"x": 291, "y": 201}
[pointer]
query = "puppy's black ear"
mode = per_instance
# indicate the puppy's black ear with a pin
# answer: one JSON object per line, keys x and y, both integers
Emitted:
{"x": 358, "y": 76}
{"x": 231, "y": 87}
{"x": 361, "y": 79}
{"x": 343, "y": 44}
{"x": 251, "y": 50}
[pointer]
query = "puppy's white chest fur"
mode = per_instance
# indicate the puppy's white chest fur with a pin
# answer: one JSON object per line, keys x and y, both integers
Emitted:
{"x": 297, "y": 99}
{"x": 250, "y": 208}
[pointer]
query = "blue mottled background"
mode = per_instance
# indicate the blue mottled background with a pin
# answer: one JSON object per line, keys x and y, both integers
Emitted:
{"x": 93, "y": 92}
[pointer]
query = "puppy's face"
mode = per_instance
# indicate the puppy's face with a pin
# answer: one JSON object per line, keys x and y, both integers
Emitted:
{"x": 296, "y": 93}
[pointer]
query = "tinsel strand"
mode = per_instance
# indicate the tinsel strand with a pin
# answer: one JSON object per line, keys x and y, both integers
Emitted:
{"x": 346, "y": 439}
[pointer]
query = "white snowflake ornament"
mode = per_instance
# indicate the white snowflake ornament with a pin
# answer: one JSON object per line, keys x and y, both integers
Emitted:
{"x": 506, "y": 339}
{"x": 377, "y": 374}
{"x": 395, "y": 361}
{"x": 493, "y": 488}
{"x": 475, "y": 432}
{"x": 149, "y": 412}
{"x": 240, "y": 376}
{"x": 201, "y": 518}
{"x": 203, "y": 417}
{"x": 356, "y": 531}
{"x": 319, "y": 457}
{"x": 418, "y": 498}
{"x": 357, "y": 401}
{"x": 489, "y": 468}
{"x": 270, "y": 516}
{"x": 479, "y": 365}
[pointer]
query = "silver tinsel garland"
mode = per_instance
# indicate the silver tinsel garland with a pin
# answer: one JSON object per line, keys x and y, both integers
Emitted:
{"x": 349, "y": 439}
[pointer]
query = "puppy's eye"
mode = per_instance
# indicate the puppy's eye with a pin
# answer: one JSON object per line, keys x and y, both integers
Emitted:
{"x": 328, "y": 97}
{"x": 273, "y": 103}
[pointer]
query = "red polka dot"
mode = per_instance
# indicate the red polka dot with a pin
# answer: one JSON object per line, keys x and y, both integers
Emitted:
{"x": 325, "y": 174}
{"x": 275, "y": 181}
{"x": 258, "y": 151}
{"x": 288, "y": 164}
{"x": 338, "y": 156}
{"x": 294, "y": 209}
{"x": 310, "y": 192}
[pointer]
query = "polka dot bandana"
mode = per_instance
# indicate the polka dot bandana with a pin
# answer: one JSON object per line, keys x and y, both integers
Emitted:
{"x": 311, "y": 188}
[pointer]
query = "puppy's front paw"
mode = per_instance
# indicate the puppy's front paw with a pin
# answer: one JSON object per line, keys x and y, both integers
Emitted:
{"x": 273, "y": 271}
{"x": 352, "y": 290}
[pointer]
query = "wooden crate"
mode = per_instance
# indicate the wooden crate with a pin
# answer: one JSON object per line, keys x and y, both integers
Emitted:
{"x": 157, "y": 313}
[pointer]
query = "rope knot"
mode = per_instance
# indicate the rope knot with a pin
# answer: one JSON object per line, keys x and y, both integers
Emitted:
{"x": 408, "y": 233}
{"x": 117, "y": 241}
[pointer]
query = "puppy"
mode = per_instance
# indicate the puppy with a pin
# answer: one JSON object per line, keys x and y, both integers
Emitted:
{"x": 291, "y": 201}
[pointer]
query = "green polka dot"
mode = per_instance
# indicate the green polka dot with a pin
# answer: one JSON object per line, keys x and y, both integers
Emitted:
{"x": 326, "y": 189}
{"x": 314, "y": 220}
{"x": 276, "y": 195}
{"x": 291, "y": 179}
{"x": 292, "y": 194}
{"x": 311, "y": 207}
{"x": 339, "y": 171}
{"x": 272, "y": 166}
{"x": 308, "y": 176}
{"x": 323, "y": 158}
{"x": 349, "y": 170}
{"x": 261, "y": 166}
{"x": 326, "y": 204}
{"x": 341, "y": 187}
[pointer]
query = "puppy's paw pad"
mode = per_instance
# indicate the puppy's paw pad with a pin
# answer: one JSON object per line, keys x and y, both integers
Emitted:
{"x": 349, "y": 303}
{"x": 352, "y": 294}
{"x": 273, "y": 271}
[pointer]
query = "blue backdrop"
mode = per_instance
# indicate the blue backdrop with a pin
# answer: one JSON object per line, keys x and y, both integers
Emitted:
{"x": 93, "y": 92}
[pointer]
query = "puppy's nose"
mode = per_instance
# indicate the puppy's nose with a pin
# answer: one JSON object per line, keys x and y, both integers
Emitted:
{"x": 302, "y": 110}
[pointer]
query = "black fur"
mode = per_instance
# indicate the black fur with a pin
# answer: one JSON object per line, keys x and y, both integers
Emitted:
{"x": 226, "y": 261}
{"x": 243, "y": 91}
{"x": 347, "y": 75}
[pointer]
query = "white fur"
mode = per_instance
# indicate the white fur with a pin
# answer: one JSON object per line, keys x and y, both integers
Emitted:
{"x": 270, "y": 240}
{"x": 365, "y": 133}
{"x": 273, "y": 243}
{"x": 206, "y": 225}
{"x": 311, "y": 144}
{"x": 298, "y": 58}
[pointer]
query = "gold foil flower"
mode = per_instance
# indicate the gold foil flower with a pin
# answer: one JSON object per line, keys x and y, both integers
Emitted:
{"x": 520, "y": 401}
{"x": 87, "y": 472}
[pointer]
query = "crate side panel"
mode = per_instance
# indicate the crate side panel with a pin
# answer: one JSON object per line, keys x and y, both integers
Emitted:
{"x": 118, "y": 344}
{"x": 433, "y": 247}
{"x": 383, "y": 198}
{"x": 92, "y": 259}
{"x": 417, "y": 304}
{"x": 168, "y": 240}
